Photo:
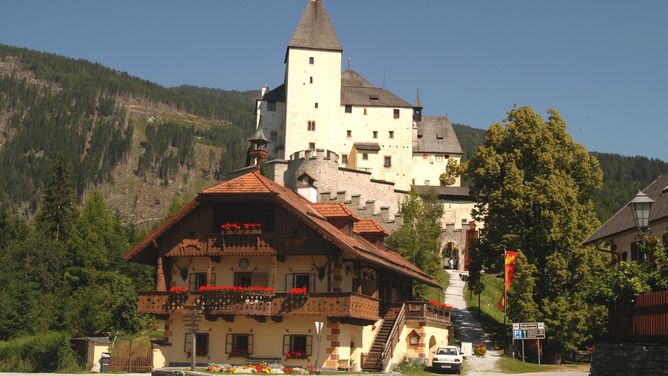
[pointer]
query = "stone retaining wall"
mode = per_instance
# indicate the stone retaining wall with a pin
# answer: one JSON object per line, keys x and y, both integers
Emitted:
{"x": 626, "y": 359}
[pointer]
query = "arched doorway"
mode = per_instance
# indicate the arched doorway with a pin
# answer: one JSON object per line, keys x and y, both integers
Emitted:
{"x": 432, "y": 348}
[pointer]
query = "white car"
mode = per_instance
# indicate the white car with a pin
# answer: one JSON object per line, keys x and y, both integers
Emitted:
{"x": 447, "y": 358}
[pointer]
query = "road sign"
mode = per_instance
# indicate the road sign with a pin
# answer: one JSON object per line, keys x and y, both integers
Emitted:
{"x": 529, "y": 330}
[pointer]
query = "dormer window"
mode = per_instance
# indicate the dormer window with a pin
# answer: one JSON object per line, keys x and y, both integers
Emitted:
{"x": 373, "y": 97}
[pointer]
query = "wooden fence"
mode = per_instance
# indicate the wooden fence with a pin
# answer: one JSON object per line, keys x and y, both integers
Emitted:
{"x": 131, "y": 356}
{"x": 644, "y": 319}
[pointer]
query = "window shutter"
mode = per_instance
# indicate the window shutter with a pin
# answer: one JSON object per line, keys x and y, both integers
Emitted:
{"x": 286, "y": 344}
{"x": 260, "y": 279}
{"x": 309, "y": 347}
{"x": 213, "y": 280}
{"x": 192, "y": 282}
{"x": 311, "y": 282}
{"x": 228, "y": 343}
{"x": 289, "y": 281}
{"x": 250, "y": 343}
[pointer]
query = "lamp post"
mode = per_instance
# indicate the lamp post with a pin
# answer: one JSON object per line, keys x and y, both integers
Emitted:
{"x": 640, "y": 207}
{"x": 318, "y": 331}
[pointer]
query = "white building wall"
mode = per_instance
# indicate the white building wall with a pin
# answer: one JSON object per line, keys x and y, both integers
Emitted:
{"x": 306, "y": 85}
{"x": 273, "y": 124}
{"x": 428, "y": 167}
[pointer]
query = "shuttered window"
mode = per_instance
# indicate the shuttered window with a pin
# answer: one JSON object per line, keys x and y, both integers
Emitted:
{"x": 239, "y": 344}
{"x": 297, "y": 343}
{"x": 201, "y": 343}
{"x": 199, "y": 279}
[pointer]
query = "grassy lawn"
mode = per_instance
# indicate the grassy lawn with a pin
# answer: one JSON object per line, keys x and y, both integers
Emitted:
{"x": 443, "y": 279}
{"x": 491, "y": 317}
{"x": 509, "y": 365}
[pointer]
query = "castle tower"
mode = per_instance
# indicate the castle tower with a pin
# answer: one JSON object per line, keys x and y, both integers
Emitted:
{"x": 312, "y": 82}
{"x": 417, "y": 108}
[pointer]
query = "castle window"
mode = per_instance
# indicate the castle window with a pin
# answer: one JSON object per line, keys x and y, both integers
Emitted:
{"x": 365, "y": 156}
{"x": 311, "y": 125}
{"x": 365, "y": 111}
{"x": 439, "y": 158}
{"x": 349, "y": 109}
{"x": 310, "y": 79}
{"x": 311, "y": 145}
{"x": 311, "y": 60}
{"x": 375, "y": 134}
{"x": 273, "y": 136}
{"x": 344, "y": 158}
{"x": 388, "y": 161}
{"x": 316, "y": 104}
{"x": 271, "y": 106}
{"x": 426, "y": 182}
{"x": 396, "y": 113}
{"x": 391, "y": 134}
{"x": 349, "y": 133}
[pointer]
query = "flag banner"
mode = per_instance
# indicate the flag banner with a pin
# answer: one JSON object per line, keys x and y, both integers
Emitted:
{"x": 510, "y": 260}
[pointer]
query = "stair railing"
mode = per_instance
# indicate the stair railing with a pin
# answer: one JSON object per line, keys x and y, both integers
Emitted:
{"x": 393, "y": 338}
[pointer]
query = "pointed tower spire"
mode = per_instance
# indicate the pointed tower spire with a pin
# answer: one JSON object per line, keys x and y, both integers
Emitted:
{"x": 417, "y": 108}
{"x": 315, "y": 30}
{"x": 258, "y": 147}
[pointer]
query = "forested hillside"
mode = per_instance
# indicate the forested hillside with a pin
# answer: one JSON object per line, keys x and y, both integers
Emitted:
{"x": 139, "y": 142}
{"x": 623, "y": 176}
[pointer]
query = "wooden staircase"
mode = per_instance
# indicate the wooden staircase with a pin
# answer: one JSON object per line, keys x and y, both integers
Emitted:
{"x": 383, "y": 345}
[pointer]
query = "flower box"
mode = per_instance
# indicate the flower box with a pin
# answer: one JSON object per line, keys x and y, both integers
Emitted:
{"x": 239, "y": 228}
{"x": 296, "y": 355}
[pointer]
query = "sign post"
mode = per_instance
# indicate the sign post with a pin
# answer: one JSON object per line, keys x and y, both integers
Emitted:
{"x": 192, "y": 323}
{"x": 318, "y": 331}
{"x": 529, "y": 330}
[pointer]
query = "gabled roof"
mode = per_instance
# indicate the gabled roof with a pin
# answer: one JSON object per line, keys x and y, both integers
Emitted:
{"x": 357, "y": 91}
{"x": 622, "y": 221}
{"x": 369, "y": 226}
{"x": 352, "y": 246}
{"x": 276, "y": 95}
{"x": 436, "y": 135}
{"x": 314, "y": 30}
{"x": 335, "y": 210}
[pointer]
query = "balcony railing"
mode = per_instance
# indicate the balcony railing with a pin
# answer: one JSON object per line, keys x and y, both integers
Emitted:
{"x": 343, "y": 305}
{"x": 426, "y": 311}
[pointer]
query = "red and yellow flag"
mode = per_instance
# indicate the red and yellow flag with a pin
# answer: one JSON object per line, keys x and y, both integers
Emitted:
{"x": 509, "y": 264}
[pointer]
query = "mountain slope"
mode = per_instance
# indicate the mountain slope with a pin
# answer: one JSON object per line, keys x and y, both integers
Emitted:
{"x": 623, "y": 176}
{"x": 139, "y": 142}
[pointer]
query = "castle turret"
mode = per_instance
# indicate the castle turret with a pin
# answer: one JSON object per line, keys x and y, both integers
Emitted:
{"x": 258, "y": 147}
{"x": 417, "y": 108}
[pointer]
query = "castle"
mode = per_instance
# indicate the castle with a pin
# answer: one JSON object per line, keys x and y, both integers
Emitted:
{"x": 334, "y": 136}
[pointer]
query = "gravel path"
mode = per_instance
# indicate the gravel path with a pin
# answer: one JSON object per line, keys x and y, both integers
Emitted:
{"x": 468, "y": 329}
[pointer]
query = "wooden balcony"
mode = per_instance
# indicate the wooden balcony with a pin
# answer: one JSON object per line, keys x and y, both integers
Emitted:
{"x": 340, "y": 305}
{"x": 333, "y": 304}
{"x": 428, "y": 312}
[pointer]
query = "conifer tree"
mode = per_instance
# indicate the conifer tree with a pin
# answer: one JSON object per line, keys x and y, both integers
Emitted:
{"x": 58, "y": 205}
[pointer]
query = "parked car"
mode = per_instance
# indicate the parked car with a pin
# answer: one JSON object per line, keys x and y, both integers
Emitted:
{"x": 447, "y": 358}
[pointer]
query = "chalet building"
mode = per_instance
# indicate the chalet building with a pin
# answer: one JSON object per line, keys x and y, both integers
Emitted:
{"x": 638, "y": 328}
{"x": 620, "y": 230}
{"x": 259, "y": 264}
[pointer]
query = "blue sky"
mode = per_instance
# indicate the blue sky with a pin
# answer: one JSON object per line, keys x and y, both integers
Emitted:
{"x": 602, "y": 64}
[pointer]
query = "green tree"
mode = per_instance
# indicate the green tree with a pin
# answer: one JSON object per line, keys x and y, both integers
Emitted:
{"x": 57, "y": 210}
{"x": 418, "y": 238}
{"x": 520, "y": 303}
{"x": 533, "y": 186}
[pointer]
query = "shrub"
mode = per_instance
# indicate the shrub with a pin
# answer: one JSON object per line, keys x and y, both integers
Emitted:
{"x": 480, "y": 349}
{"x": 46, "y": 352}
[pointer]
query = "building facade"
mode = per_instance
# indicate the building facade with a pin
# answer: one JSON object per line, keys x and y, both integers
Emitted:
{"x": 256, "y": 265}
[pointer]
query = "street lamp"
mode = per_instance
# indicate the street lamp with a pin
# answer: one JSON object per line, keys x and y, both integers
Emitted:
{"x": 640, "y": 207}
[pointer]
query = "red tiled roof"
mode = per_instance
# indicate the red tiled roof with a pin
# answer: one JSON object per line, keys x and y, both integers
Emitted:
{"x": 334, "y": 210}
{"x": 247, "y": 183}
{"x": 369, "y": 226}
{"x": 353, "y": 246}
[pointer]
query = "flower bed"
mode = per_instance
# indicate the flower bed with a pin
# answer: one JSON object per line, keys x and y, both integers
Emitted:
{"x": 440, "y": 305}
{"x": 298, "y": 291}
{"x": 239, "y": 290}
{"x": 276, "y": 369}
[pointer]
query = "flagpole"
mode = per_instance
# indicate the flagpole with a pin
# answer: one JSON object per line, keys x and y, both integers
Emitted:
{"x": 505, "y": 281}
